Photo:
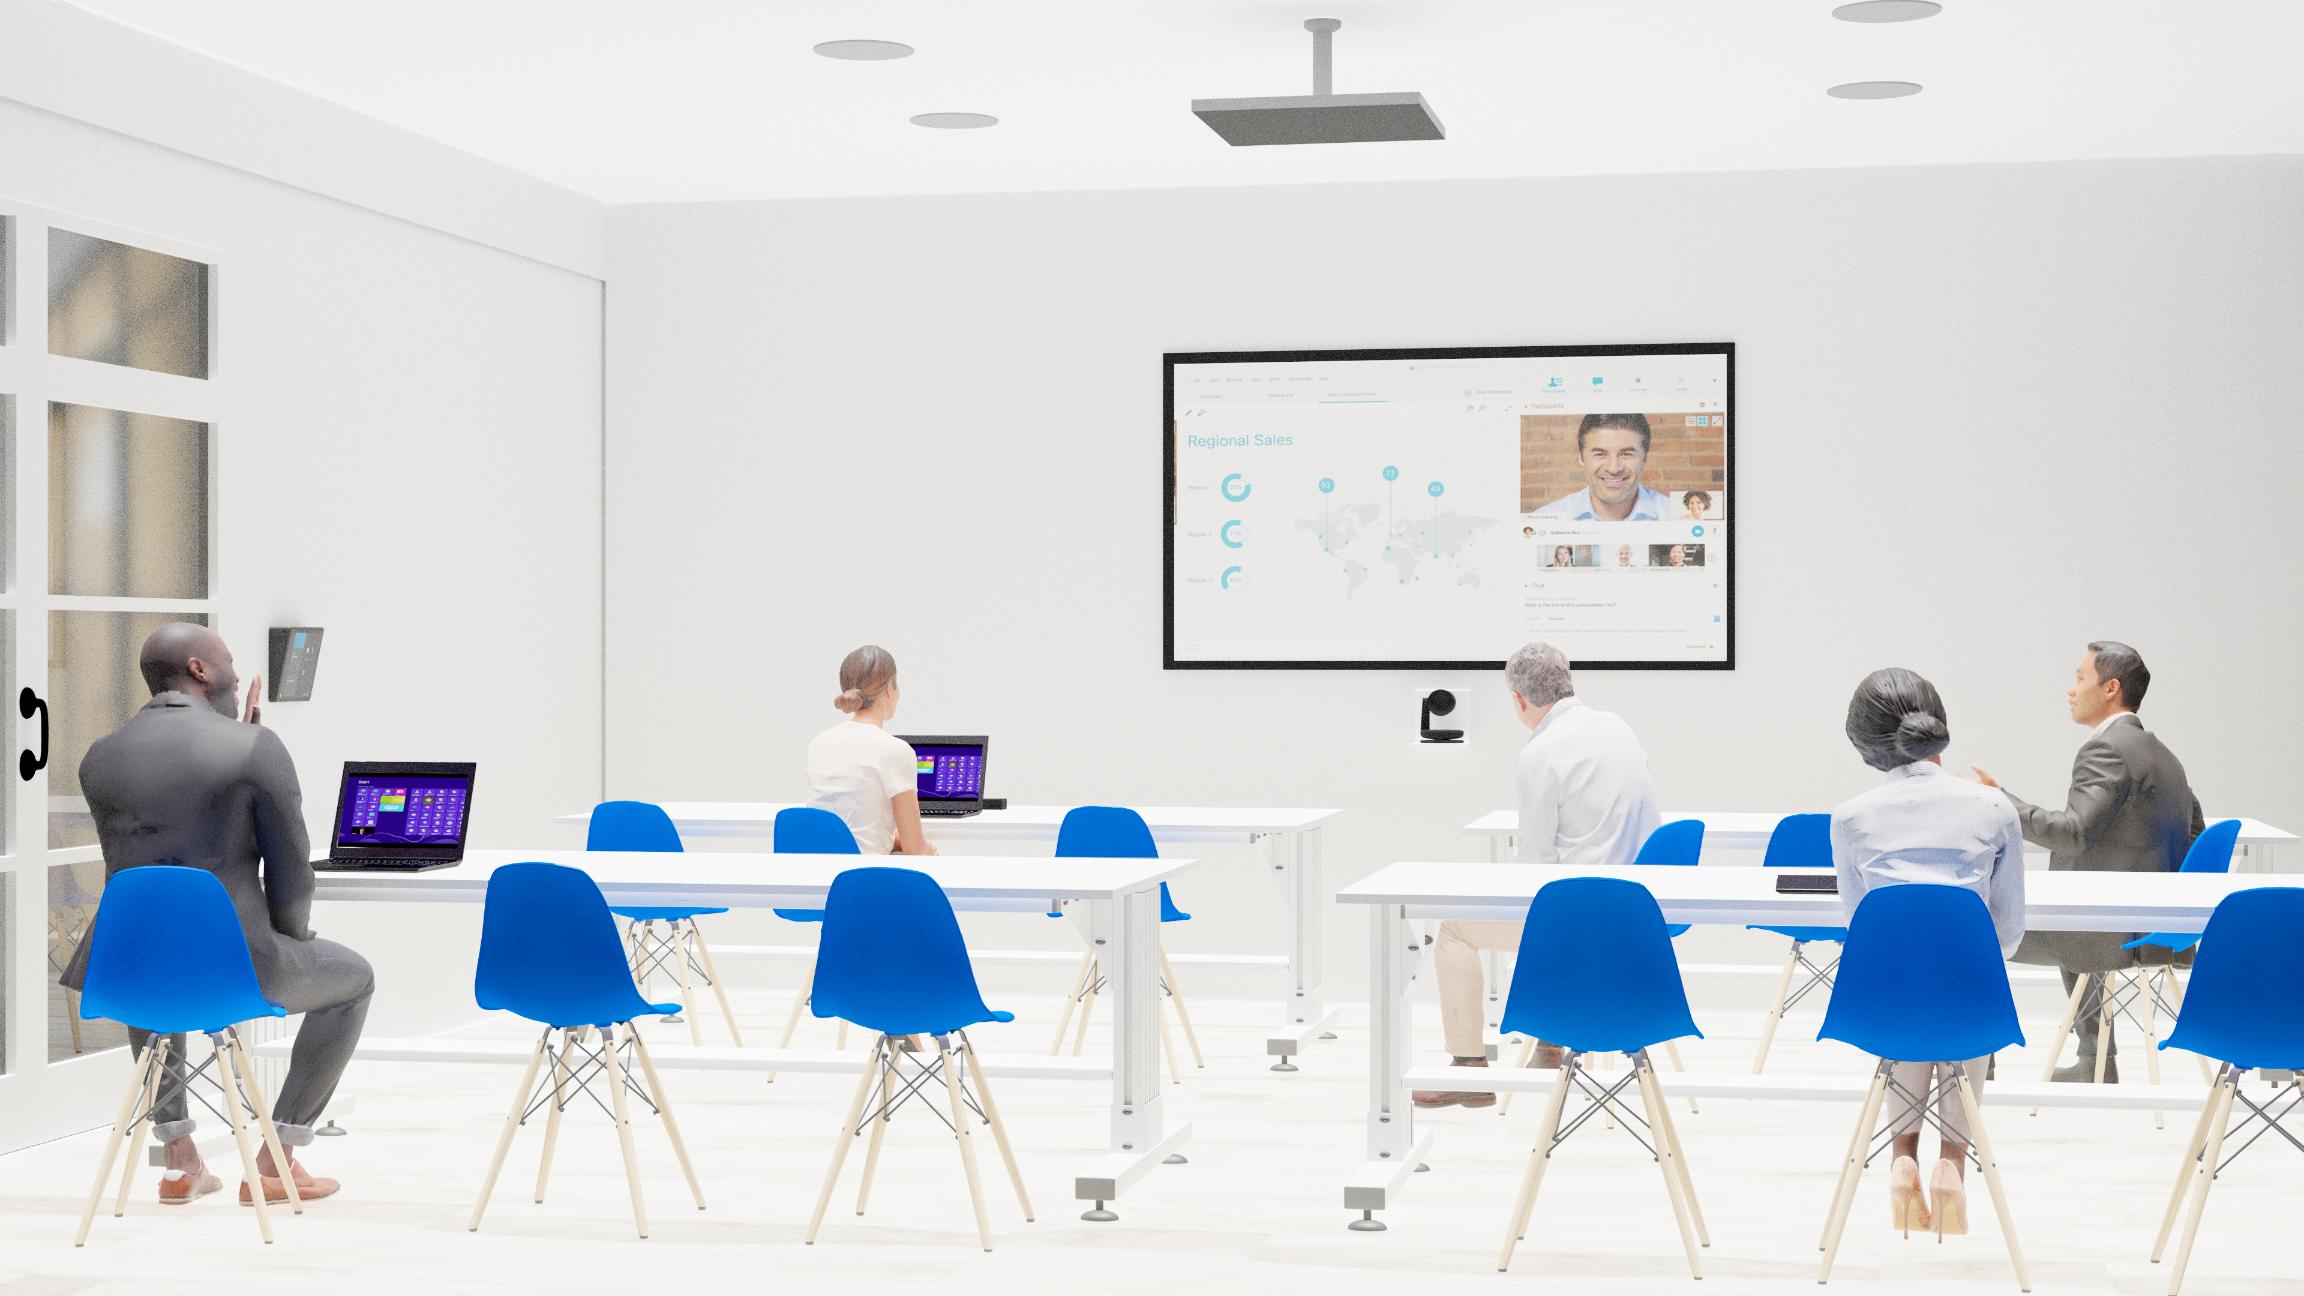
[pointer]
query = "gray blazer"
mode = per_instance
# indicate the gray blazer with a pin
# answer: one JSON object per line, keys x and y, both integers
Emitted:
{"x": 181, "y": 784}
{"x": 2130, "y": 810}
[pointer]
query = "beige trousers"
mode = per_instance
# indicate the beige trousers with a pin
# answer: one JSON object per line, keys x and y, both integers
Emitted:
{"x": 1911, "y": 1082}
{"x": 1456, "y": 956}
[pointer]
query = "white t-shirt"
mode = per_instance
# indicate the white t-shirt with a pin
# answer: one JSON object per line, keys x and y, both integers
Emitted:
{"x": 853, "y": 770}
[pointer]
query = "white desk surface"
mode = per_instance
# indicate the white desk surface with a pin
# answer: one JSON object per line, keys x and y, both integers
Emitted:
{"x": 1751, "y": 828}
{"x": 752, "y": 880}
{"x": 2115, "y": 902}
{"x": 1016, "y": 823}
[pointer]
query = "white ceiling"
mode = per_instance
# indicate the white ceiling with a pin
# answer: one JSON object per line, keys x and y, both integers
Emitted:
{"x": 683, "y": 100}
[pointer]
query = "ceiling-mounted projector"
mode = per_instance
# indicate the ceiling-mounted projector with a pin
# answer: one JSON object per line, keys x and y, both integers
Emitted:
{"x": 1321, "y": 117}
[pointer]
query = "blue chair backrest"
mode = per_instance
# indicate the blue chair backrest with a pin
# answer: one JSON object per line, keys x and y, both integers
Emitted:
{"x": 549, "y": 949}
{"x": 1596, "y": 971}
{"x": 892, "y": 958}
{"x": 2212, "y": 850}
{"x": 812, "y": 830}
{"x": 1921, "y": 978}
{"x": 631, "y": 826}
{"x": 1678, "y": 842}
{"x": 2245, "y": 1002}
{"x": 1801, "y": 841}
{"x": 167, "y": 952}
{"x": 1112, "y": 832}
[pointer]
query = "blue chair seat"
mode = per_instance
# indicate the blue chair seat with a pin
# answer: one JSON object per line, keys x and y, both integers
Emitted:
{"x": 799, "y": 915}
{"x": 155, "y": 908}
{"x": 2245, "y": 1005}
{"x": 810, "y": 830}
{"x": 893, "y": 960}
{"x": 663, "y": 913}
{"x": 2210, "y": 852}
{"x": 1962, "y": 1009}
{"x": 549, "y": 951}
{"x": 1803, "y": 934}
{"x": 2173, "y": 942}
{"x": 1679, "y": 843}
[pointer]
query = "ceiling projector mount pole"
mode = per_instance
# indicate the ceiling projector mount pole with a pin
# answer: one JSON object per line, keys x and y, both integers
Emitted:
{"x": 1322, "y": 117}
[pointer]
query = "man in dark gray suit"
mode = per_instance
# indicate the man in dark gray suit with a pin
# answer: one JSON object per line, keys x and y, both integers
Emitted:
{"x": 184, "y": 783}
{"x": 2130, "y": 810}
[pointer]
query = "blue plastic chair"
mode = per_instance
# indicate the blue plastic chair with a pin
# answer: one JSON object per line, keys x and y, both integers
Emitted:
{"x": 1801, "y": 841}
{"x": 2246, "y": 1010}
{"x": 1117, "y": 832}
{"x": 2211, "y": 852}
{"x": 1959, "y": 1009}
{"x": 167, "y": 955}
{"x": 549, "y": 952}
{"x": 1596, "y": 974}
{"x": 1679, "y": 843}
{"x": 893, "y": 962}
{"x": 643, "y": 826}
{"x": 809, "y": 830}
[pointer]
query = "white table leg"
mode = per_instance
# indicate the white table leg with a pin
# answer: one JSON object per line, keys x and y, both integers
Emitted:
{"x": 1125, "y": 936}
{"x": 1304, "y": 1012}
{"x": 1394, "y": 1151}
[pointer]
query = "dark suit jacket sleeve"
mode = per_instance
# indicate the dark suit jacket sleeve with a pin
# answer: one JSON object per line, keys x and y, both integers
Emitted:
{"x": 280, "y": 836}
{"x": 2100, "y": 783}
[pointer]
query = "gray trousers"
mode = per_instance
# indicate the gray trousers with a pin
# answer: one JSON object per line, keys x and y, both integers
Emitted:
{"x": 2084, "y": 1025}
{"x": 332, "y": 993}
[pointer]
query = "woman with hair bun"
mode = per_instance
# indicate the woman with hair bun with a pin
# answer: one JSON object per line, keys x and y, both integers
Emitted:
{"x": 860, "y": 771}
{"x": 1922, "y": 825}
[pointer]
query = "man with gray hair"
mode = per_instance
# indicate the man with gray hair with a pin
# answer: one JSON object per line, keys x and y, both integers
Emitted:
{"x": 1586, "y": 801}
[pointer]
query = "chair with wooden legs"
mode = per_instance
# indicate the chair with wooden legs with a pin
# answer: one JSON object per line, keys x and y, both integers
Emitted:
{"x": 661, "y": 938}
{"x": 893, "y": 962}
{"x": 2246, "y": 1011}
{"x": 1801, "y": 841}
{"x": 809, "y": 830}
{"x": 1949, "y": 1008}
{"x": 2143, "y": 992}
{"x": 1597, "y": 975}
{"x": 205, "y": 985}
{"x": 1116, "y": 832}
{"x": 548, "y": 952}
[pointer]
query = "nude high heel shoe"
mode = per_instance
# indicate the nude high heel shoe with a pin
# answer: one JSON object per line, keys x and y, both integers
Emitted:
{"x": 1906, "y": 1209}
{"x": 1948, "y": 1201}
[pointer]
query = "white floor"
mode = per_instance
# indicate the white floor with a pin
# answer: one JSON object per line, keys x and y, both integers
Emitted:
{"x": 1256, "y": 1210}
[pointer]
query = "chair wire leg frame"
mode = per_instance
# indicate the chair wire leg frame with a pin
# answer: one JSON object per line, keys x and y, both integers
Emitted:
{"x": 1661, "y": 1140}
{"x": 679, "y": 950}
{"x": 1815, "y": 978}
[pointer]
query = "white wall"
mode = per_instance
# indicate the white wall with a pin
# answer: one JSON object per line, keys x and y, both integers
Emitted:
{"x": 409, "y": 456}
{"x": 1986, "y": 414}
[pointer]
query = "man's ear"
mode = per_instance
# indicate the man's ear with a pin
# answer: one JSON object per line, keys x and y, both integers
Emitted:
{"x": 199, "y": 670}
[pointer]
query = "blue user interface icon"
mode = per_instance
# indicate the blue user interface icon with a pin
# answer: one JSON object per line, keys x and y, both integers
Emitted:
{"x": 1435, "y": 489}
{"x": 1327, "y": 485}
{"x": 1696, "y": 530}
{"x": 1224, "y": 581}
{"x": 1234, "y": 487}
{"x": 1225, "y": 534}
{"x": 1391, "y": 473}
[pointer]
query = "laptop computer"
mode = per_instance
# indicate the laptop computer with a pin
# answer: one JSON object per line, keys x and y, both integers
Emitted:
{"x": 400, "y": 816}
{"x": 951, "y": 774}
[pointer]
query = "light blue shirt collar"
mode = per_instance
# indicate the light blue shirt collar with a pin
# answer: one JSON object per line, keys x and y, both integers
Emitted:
{"x": 1565, "y": 704}
{"x": 1917, "y": 769}
{"x": 1651, "y": 506}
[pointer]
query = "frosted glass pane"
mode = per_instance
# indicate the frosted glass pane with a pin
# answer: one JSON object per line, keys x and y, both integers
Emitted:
{"x": 127, "y": 504}
{"x": 93, "y": 687}
{"x": 73, "y": 890}
{"x": 126, "y": 305}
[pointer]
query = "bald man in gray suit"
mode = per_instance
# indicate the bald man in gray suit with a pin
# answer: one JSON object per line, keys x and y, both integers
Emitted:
{"x": 186, "y": 784}
{"x": 2130, "y": 810}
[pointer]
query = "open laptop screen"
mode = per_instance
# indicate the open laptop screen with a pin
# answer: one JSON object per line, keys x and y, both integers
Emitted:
{"x": 950, "y": 769}
{"x": 412, "y": 807}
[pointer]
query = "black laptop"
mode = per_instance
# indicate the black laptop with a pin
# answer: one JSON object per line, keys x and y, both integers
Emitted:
{"x": 400, "y": 816}
{"x": 951, "y": 774}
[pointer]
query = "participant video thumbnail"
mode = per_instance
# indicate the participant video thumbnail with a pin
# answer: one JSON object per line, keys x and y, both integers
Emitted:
{"x": 1624, "y": 467}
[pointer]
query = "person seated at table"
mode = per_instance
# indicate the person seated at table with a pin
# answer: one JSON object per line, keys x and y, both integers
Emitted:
{"x": 1586, "y": 801}
{"x": 860, "y": 771}
{"x": 1924, "y": 826}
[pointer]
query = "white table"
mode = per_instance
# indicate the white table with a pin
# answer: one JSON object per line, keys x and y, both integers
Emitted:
{"x": 1122, "y": 898}
{"x": 1287, "y": 840}
{"x": 1399, "y": 894}
{"x": 2261, "y": 844}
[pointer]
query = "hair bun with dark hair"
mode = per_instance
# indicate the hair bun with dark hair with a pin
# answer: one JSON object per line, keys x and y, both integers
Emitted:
{"x": 1920, "y": 735}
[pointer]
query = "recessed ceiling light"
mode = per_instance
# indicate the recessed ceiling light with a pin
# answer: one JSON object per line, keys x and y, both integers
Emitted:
{"x": 955, "y": 121}
{"x": 865, "y": 51}
{"x": 1874, "y": 90}
{"x": 1886, "y": 11}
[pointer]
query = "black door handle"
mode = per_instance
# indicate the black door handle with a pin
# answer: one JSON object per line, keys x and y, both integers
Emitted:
{"x": 29, "y": 704}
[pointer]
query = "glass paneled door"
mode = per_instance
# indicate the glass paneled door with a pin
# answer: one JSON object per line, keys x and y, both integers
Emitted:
{"x": 108, "y": 404}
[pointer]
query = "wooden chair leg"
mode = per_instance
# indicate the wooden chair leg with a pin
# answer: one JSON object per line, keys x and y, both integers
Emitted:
{"x": 676, "y": 940}
{"x": 966, "y": 1139}
{"x": 884, "y": 1060}
{"x": 664, "y": 1108}
{"x": 1776, "y": 1009}
{"x": 1982, "y": 1142}
{"x": 233, "y": 1101}
{"x": 1539, "y": 1157}
{"x": 511, "y": 1126}
{"x": 1852, "y": 1171}
{"x": 2103, "y": 1021}
{"x": 2063, "y": 1029}
{"x": 561, "y": 1086}
{"x": 2210, "y": 1155}
{"x": 1527, "y": 1060}
{"x": 999, "y": 1128}
{"x": 1672, "y": 1051}
{"x": 136, "y": 1136}
{"x": 138, "y": 1084}
{"x": 719, "y": 991}
{"x": 2188, "y": 1167}
{"x": 1072, "y": 1000}
{"x": 2151, "y": 996}
{"x": 72, "y": 1019}
{"x": 1680, "y": 1159}
{"x": 1183, "y": 1014}
{"x": 848, "y": 1132}
{"x": 1087, "y": 1010}
{"x": 260, "y": 1112}
{"x": 615, "y": 1077}
{"x": 1652, "y": 1098}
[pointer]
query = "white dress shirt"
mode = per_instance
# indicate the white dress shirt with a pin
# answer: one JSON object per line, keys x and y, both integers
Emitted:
{"x": 1923, "y": 825}
{"x": 2110, "y": 720}
{"x": 1586, "y": 799}
{"x": 1649, "y": 506}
